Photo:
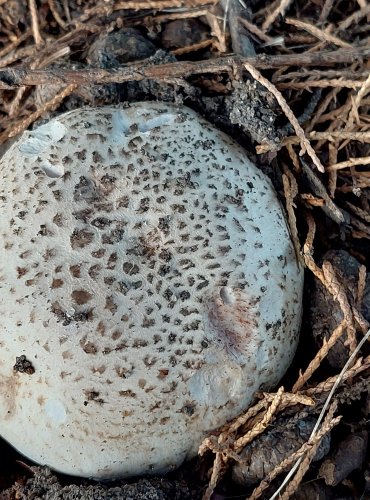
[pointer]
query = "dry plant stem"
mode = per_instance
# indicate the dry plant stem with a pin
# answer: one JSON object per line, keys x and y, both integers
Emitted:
{"x": 252, "y": 28}
{"x": 321, "y": 354}
{"x": 351, "y": 162}
{"x": 171, "y": 16}
{"x": 308, "y": 249}
{"x": 14, "y": 107}
{"x": 192, "y": 48}
{"x": 294, "y": 157}
{"x": 290, "y": 192}
{"x": 317, "y": 73}
{"x": 324, "y": 136}
{"x": 66, "y": 10}
{"x": 290, "y": 399}
{"x": 19, "y": 95}
{"x": 37, "y": 64}
{"x": 327, "y": 426}
{"x": 320, "y": 34}
{"x": 363, "y": 214}
{"x": 354, "y": 18}
{"x": 360, "y": 320}
{"x": 322, "y": 108}
{"x": 287, "y": 462}
{"x": 271, "y": 402}
{"x": 359, "y": 367}
{"x": 222, "y": 458}
{"x": 362, "y": 3}
{"x": 321, "y": 84}
{"x": 305, "y": 145}
{"x": 50, "y": 48}
{"x": 13, "y": 45}
{"x": 336, "y": 384}
{"x": 49, "y": 106}
{"x": 333, "y": 176}
{"x": 328, "y": 5}
{"x": 217, "y": 32}
{"x": 56, "y": 15}
{"x": 104, "y": 10}
{"x": 250, "y": 413}
{"x": 356, "y": 102}
{"x": 260, "y": 426}
{"x": 11, "y": 78}
{"x": 35, "y": 22}
{"x": 336, "y": 289}
{"x": 320, "y": 190}
{"x": 18, "y": 55}
{"x": 340, "y": 134}
{"x": 217, "y": 472}
{"x": 278, "y": 11}
{"x": 312, "y": 200}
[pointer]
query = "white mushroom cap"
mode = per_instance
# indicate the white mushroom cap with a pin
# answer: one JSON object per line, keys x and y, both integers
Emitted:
{"x": 148, "y": 280}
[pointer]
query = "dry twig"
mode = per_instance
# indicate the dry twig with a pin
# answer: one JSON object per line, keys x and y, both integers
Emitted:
{"x": 305, "y": 145}
{"x": 35, "y": 22}
{"x": 11, "y": 78}
{"x": 49, "y": 106}
{"x": 278, "y": 11}
{"x": 320, "y": 34}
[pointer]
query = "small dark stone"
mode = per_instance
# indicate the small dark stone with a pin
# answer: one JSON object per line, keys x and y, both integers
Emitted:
{"x": 120, "y": 47}
{"x": 183, "y": 32}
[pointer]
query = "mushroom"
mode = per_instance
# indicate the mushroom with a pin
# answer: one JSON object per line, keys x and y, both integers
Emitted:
{"x": 149, "y": 287}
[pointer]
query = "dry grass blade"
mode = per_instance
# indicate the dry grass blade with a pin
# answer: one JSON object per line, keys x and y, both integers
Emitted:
{"x": 328, "y": 5}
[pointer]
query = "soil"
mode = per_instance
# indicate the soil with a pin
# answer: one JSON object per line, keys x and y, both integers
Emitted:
{"x": 328, "y": 212}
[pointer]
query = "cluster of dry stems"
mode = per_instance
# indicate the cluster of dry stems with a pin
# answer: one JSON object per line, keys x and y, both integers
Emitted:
{"x": 333, "y": 139}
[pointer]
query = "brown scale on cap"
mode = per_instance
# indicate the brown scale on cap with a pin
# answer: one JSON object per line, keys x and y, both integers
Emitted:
{"x": 148, "y": 275}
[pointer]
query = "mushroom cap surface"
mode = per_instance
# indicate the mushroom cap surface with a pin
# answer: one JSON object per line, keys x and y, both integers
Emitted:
{"x": 148, "y": 288}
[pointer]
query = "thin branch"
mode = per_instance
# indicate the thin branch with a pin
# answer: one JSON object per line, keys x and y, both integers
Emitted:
{"x": 11, "y": 78}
